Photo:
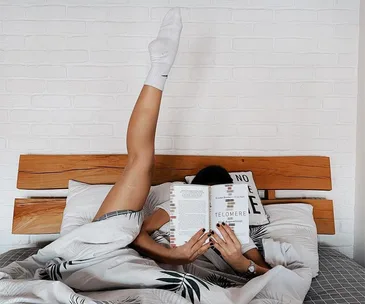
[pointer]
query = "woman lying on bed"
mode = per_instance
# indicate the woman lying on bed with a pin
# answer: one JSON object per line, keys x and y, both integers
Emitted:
{"x": 244, "y": 259}
{"x": 96, "y": 257}
{"x": 131, "y": 191}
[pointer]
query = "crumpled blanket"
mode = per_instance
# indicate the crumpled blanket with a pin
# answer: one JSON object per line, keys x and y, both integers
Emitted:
{"x": 94, "y": 265}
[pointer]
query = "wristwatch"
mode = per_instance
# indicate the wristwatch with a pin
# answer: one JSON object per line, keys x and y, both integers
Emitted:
{"x": 251, "y": 268}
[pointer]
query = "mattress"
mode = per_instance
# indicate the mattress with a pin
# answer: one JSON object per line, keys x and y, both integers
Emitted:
{"x": 16, "y": 255}
{"x": 341, "y": 280}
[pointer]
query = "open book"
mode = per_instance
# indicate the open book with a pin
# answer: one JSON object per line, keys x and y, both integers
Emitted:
{"x": 193, "y": 207}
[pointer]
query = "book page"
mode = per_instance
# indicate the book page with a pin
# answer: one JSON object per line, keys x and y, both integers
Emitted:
{"x": 189, "y": 212}
{"x": 229, "y": 204}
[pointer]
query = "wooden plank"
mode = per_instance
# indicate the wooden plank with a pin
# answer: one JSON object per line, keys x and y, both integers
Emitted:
{"x": 270, "y": 173}
{"x": 270, "y": 194}
{"x": 38, "y": 215}
{"x": 44, "y": 215}
{"x": 322, "y": 212}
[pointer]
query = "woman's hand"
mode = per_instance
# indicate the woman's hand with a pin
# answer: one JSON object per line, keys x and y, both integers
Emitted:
{"x": 230, "y": 248}
{"x": 190, "y": 251}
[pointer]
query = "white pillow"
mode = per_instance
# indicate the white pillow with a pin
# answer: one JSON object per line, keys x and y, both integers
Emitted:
{"x": 294, "y": 224}
{"x": 83, "y": 202}
{"x": 256, "y": 210}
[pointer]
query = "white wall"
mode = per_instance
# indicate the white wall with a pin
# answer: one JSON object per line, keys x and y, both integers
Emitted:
{"x": 253, "y": 77}
{"x": 359, "y": 248}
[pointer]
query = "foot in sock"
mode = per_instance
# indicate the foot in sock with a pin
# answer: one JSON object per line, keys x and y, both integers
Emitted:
{"x": 164, "y": 48}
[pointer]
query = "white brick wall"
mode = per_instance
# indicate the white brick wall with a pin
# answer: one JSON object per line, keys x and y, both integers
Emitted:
{"x": 253, "y": 77}
{"x": 359, "y": 246}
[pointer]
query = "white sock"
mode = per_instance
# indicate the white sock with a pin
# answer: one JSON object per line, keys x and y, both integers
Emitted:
{"x": 164, "y": 48}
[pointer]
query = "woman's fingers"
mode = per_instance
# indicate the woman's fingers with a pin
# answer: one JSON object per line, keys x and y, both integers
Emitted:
{"x": 203, "y": 249}
{"x": 231, "y": 234}
{"x": 225, "y": 235}
{"x": 218, "y": 242}
{"x": 195, "y": 238}
{"x": 200, "y": 242}
{"x": 220, "y": 248}
{"x": 217, "y": 238}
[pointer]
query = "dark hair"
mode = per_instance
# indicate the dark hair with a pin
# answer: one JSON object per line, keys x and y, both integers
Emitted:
{"x": 212, "y": 175}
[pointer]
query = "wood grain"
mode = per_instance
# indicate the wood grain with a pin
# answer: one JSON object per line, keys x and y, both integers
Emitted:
{"x": 38, "y": 215}
{"x": 44, "y": 215}
{"x": 270, "y": 173}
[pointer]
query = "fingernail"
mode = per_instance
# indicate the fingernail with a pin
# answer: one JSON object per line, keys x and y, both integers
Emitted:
{"x": 203, "y": 229}
{"x": 209, "y": 234}
{"x": 218, "y": 225}
{"x": 223, "y": 223}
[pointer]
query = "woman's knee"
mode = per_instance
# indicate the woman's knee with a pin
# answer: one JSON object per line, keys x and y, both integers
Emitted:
{"x": 143, "y": 162}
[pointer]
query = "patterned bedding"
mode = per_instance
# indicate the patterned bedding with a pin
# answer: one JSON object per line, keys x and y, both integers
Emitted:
{"x": 341, "y": 280}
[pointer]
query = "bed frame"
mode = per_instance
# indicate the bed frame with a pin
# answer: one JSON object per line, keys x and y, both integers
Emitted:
{"x": 43, "y": 215}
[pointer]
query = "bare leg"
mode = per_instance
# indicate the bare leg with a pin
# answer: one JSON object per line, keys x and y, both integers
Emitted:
{"x": 131, "y": 190}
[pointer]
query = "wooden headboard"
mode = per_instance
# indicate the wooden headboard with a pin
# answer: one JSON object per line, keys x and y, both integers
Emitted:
{"x": 43, "y": 215}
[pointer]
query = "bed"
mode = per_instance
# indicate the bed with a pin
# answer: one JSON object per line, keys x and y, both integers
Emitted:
{"x": 341, "y": 280}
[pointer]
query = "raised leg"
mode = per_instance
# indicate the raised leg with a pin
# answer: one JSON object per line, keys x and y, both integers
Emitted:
{"x": 131, "y": 190}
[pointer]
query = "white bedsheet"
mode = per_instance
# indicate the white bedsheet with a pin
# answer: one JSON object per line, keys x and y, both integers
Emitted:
{"x": 93, "y": 264}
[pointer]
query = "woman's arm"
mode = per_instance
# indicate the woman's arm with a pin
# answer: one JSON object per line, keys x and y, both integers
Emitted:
{"x": 145, "y": 245}
{"x": 255, "y": 256}
{"x": 180, "y": 255}
{"x": 230, "y": 248}
{"x": 144, "y": 242}
{"x": 155, "y": 221}
{"x": 241, "y": 266}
